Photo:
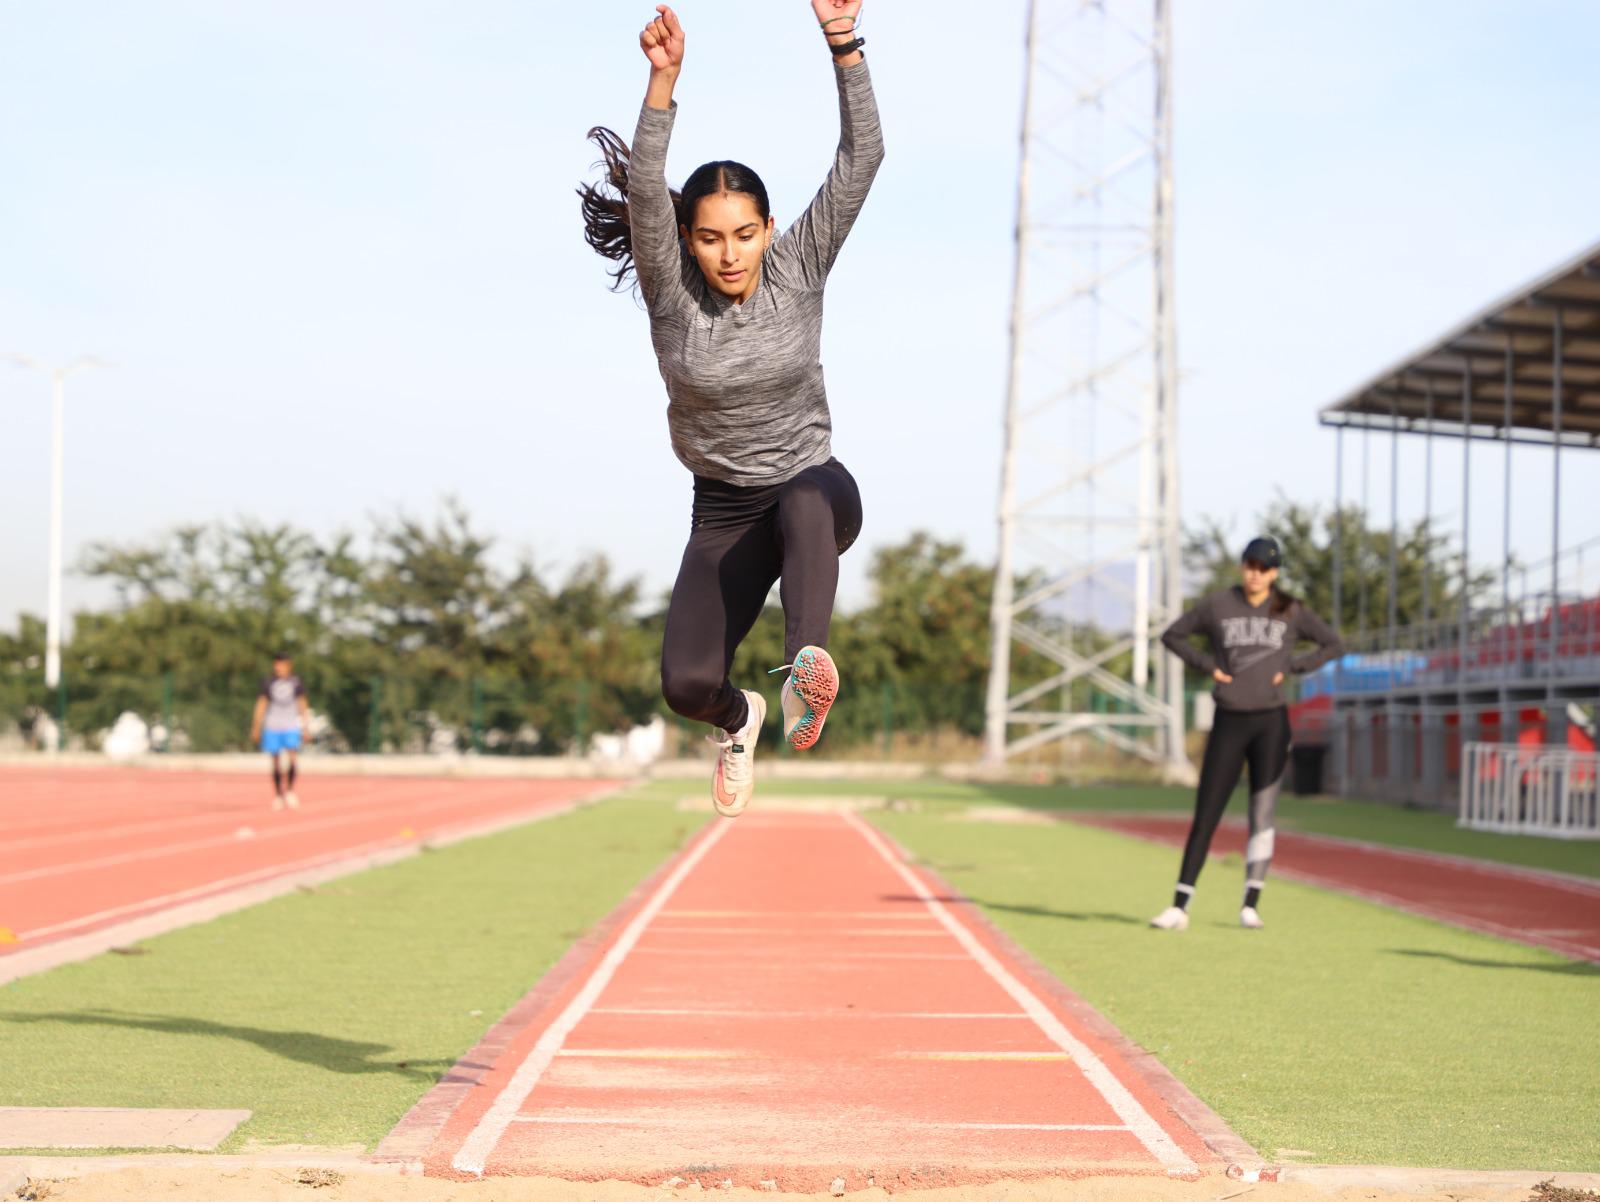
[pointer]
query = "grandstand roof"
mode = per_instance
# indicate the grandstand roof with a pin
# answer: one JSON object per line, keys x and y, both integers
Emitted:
{"x": 1520, "y": 332}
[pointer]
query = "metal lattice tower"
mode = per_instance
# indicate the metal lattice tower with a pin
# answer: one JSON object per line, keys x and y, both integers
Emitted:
{"x": 1089, "y": 479}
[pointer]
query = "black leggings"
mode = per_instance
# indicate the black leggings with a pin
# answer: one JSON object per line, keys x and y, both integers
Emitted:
{"x": 1261, "y": 738}
{"x": 740, "y": 541}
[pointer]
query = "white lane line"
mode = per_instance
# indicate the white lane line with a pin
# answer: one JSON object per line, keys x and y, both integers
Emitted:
{"x": 1008, "y": 1057}
{"x": 657, "y": 1054}
{"x": 230, "y": 816}
{"x": 71, "y": 949}
{"x": 874, "y": 915}
{"x": 666, "y": 1121}
{"x": 1033, "y": 1126}
{"x": 188, "y": 808}
{"x": 796, "y": 932}
{"x": 811, "y": 1015}
{"x": 435, "y": 837}
{"x": 1116, "y": 1094}
{"x": 164, "y": 900}
{"x": 481, "y": 1141}
{"x": 754, "y": 1055}
{"x": 766, "y": 953}
{"x": 230, "y": 839}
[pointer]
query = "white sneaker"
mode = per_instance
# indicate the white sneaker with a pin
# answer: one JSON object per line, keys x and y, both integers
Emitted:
{"x": 734, "y": 782}
{"x": 808, "y": 694}
{"x": 1250, "y": 919}
{"x": 290, "y": 800}
{"x": 277, "y": 802}
{"x": 1171, "y": 919}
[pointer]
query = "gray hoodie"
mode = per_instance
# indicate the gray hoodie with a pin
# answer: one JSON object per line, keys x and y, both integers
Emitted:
{"x": 1251, "y": 644}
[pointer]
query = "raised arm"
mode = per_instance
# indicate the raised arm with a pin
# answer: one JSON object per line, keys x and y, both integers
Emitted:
{"x": 1176, "y": 639}
{"x": 1324, "y": 636}
{"x": 812, "y": 244}
{"x": 652, "y": 219}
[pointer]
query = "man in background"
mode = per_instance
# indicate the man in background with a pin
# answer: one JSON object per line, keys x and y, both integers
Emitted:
{"x": 281, "y": 720}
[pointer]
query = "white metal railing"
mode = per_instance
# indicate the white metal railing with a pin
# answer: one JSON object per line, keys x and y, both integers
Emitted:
{"x": 1530, "y": 791}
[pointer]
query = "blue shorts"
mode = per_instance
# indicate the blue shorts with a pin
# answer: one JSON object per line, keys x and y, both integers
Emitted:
{"x": 274, "y": 741}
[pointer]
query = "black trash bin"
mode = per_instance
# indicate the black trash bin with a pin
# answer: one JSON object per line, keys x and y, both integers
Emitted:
{"x": 1308, "y": 762}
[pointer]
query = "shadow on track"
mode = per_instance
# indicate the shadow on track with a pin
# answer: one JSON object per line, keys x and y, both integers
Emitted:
{"x": 322, "y": 1051}
{"x": 1570, "y": 968}
{"x": 1030, "y": 911}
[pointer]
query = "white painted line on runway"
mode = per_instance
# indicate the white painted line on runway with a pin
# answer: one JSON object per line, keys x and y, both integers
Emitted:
{"x": 664, "y": 1121}
{"x": 765, "y": 953}
{"x": 799, "y": 933}
{"x": 481, "y": 1141}
{"x": 818, "y": 1015}
{"x": 1116, "y": 1094}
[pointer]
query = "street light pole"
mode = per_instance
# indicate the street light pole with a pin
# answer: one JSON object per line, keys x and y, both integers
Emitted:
{"x": 58, "y": 428}
{"x": 58, "y": 435}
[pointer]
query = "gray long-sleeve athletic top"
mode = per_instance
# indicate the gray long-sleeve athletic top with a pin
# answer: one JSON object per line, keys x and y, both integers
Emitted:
{"x": 746, "y": 402}
{"x": 1251, "y": 644}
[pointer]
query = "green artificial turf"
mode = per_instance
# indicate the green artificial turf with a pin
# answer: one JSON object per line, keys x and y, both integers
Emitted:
{"x": 1343, "y": 1033}
{"x": 330, "y": 1012}
{"x": 1373, "y": 822}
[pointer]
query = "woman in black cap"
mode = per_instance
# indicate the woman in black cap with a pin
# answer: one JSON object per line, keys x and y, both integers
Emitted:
{"x": 1253, "y": 629}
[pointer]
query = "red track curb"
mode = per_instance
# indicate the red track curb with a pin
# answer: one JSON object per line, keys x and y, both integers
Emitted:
{"x": 1213, "y": 1130}
{"x": 430, "y": 1134}
{"x": 421, "y": 1127}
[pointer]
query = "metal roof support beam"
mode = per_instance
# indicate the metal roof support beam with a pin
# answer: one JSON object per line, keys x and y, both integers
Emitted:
{"x": 1464, "y": 609}
{"x": 1555, "y": 499}
{"x": 1581, "y": 439}
{"x": 1366, "y": 525}
{"x": 1427, "y": 516}
{"x": 1505, "y": 516}
{"x": 1338, "y": 527}
{"x": 1563, "y": 304}
{"x": 1394, "y": 537}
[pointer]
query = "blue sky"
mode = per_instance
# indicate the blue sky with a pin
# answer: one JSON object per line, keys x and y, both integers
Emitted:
{"x": 333, "y": 251}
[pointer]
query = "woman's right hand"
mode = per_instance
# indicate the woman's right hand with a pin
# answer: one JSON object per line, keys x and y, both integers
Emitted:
{"x": 1221, "y": 677}
{"x": 662, "y": 41}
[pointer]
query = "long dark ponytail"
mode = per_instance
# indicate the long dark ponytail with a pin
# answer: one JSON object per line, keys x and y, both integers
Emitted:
{"x": 1282, "y": 602}
{"x": 605, "y": 204}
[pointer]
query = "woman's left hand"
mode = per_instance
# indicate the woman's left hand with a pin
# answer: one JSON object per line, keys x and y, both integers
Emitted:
{"x": 834, "y": 11}
{"x": 1277, "y": 680}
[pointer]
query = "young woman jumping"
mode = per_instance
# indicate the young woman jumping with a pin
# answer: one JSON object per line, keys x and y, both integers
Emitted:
{"x": 1253, "y": 629}
{"x": 736, "y": 322}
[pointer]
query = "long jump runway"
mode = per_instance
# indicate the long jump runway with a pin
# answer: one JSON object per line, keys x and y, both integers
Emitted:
{"x": 788, "y": 1001}
{"x": 83, "y": 850}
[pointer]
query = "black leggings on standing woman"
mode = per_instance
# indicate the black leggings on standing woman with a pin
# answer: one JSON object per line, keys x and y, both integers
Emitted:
{"x": 740, "y": 542}
{"x": 1259, "y": 738}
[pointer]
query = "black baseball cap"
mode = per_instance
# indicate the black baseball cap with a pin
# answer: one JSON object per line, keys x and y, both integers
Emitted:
{"x": 284, "y": 655}
{"x": 1263, "y": 551}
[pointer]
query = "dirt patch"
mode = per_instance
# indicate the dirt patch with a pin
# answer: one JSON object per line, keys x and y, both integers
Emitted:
{"x": 1008, "y": 816}
{"x": 1549, "y": 1191}
{"x": 202, "y": 1184}
{"x": 795, "y": 804}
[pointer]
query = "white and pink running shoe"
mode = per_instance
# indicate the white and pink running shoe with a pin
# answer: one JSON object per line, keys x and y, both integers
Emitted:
{"x": 808, "y": 693}
{"x": 734, "y": 782}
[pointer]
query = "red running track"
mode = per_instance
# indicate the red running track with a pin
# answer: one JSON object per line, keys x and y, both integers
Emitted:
{"x": 1538, "y": 908}
{"x": 787, "y": 1001}
{"x": 82, "y": 849}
